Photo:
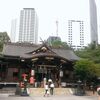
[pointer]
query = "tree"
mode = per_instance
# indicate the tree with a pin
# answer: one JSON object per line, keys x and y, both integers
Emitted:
{"x": 3, "y": 39}
{"x": 97, "y": 70}
{"x": 86, "y": 70}
{"x": 56, "y": 43}
{"x": 59, "y": 44}
{"x": 92, "y": 52}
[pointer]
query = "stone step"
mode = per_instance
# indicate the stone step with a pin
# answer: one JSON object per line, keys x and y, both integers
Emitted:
{"x": 4, "y": 94}
{"x": 38, "y": 91}
{"x": 57, "y": 91}
{"x": 7, "y": 90}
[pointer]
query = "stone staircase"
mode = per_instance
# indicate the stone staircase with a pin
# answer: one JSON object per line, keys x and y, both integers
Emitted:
{"x": 7, "y": 90}
{"x": 36, "y": 91}
{"x": 57, "y": 91}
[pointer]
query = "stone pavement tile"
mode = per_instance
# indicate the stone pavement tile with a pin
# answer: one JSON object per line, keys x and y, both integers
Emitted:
{"x": 90, "y": 93}
{"x": 70, "y": 97}
{"x": 16, "y": 98}
{"x": 55, "y": 97}
{"x": 4, "y": 95}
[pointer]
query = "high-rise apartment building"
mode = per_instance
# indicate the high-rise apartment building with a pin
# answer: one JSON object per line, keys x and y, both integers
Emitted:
{"x": 28, "y": 29}
{"x": 83, "y": 32}
{"x": 93, "y": 21}
{"x": 13, "y": 30}
{"x": 76, "y": 34}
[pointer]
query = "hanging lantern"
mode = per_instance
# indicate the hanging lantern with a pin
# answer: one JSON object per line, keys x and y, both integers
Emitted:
{"x": 61, "y": 73}
{"x": 32, "y": 72}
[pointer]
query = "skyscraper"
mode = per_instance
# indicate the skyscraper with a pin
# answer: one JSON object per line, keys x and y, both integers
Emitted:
{"x": 83, "y": 31}
{"x": 93, "y": 21}
{"x": 13, "y": 30}
{"x": 28, "y": 29}
{"x": 76, "y": 34}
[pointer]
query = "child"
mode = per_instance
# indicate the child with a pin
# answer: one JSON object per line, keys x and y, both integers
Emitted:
{"x": 46, "y": 90}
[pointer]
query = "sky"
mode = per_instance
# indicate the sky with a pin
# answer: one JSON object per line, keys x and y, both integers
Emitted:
{"x": 48, "y": 11}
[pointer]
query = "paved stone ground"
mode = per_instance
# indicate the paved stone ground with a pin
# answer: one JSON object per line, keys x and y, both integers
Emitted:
{"x": 69, "y": 97}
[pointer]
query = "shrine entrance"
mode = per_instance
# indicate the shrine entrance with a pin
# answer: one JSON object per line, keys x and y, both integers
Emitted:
{"x": 48, "y": 72}
{"x": 55, "y": 68}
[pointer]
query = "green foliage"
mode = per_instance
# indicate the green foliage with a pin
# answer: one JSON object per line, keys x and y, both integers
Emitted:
{"x": 89, "y": 69}
{"x": 92, "y": 52}
{"x": 58, "y": 44}
{"x": 3, "y": 38}
{"x": 97, "y": 70}
{"x": 86, "y": 70}
{"x": 1, "y": 46}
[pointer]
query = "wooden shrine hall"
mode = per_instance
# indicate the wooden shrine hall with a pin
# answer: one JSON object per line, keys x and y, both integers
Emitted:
{"x": 47, "y": 62}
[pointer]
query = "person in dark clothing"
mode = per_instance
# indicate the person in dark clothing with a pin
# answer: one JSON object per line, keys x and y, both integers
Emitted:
{"x": 52, "y": 88}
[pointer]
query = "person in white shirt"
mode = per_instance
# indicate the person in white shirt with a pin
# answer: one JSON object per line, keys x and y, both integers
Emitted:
{"x": 46, "y": 90}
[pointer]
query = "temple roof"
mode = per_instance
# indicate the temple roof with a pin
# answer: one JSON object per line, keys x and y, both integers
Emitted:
{"x": 26, "y": 51}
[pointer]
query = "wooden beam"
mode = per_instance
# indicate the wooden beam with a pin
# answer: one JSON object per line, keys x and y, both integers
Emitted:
{"x": 47, "y": 66}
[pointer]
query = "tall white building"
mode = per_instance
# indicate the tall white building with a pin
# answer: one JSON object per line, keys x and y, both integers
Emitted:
{"x": 28, "y": 29}
{"x": 76, "y": 34}
{"x": 13, "y": 30}
{"x": 83, "y": 31}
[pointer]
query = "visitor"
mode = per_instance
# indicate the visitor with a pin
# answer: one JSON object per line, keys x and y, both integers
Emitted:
{"x": 46, "y": 90}
{"x": 32, "y": 80}
{"x": 49, "y": 82}
{"x": 52, "y": 88}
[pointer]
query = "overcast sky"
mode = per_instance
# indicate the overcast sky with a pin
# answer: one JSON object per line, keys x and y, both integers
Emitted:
{"x": 48, "y": 12}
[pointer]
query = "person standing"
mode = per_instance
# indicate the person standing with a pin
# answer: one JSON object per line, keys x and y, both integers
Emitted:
{"x": 49, "y": 82}
{"x": 32, "y": 80}
{"x": 46, "y": 90}
{"x": 52, "y": 88}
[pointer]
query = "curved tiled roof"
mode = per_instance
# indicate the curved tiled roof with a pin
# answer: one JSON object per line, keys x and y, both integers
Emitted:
{"x": 68, "y": 54}
{"x": 27, "y": 51}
